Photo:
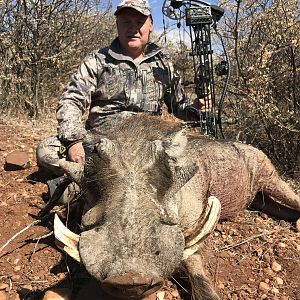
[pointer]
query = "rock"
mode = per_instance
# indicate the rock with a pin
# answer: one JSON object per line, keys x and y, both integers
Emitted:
{"x": 16, "y": 160}
{"x": 16, "y": 278}
{"x": 279, "y": 280}
{"x": 3, "y": 286}
{"x": 160, "y": 295}
{"x": 266, "y": 257}
{"x": 17, "y": 268}
{"x": 175, "y": 294}
{"x": 276, "y": 267}
{"x": 221, "y": 286}
{"x": 274, "y": 291}
{"x": 264, "y": 287}
{"x": 3, "y": 296}
{"x": 268, "y": 271}
{"x": 298, "y": 225}
{"x": 58, "y": 294}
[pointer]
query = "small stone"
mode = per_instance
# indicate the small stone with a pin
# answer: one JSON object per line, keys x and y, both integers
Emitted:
{"x": 3, "y": 286}
{"x": 16, "y": 160}
{"x": 268, "y": 271}
{"x": 58, "y": 294}
{"x": 274, "y": 291}
{"x": 266, "y": 257}
{"x": 219, "y": 227}
{"x": 15, "y": 278}
{"x": 3, "y": 296}
{"x": 279, "y": 280}
{"x": 221, "y": 286}
{"x": 298, "y": 225}
{"x": 282, "y": 245}
{"x": 175, "y": 293}
{"x": 160, "y": 295}
{"x": 276, "y": 267}
{"x": 17, "y": 268}
{"x": 267, "y": 280}
{"x": 264, "y": 287}
{"x": 263, "y": 296}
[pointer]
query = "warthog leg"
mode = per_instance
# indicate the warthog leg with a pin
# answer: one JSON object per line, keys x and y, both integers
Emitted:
{"x": 202, "y": 288}
{"x": 272, "y": 186}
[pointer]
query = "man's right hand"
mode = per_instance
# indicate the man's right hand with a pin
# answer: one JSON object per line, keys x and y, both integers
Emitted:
{"x": 76, "y": 153}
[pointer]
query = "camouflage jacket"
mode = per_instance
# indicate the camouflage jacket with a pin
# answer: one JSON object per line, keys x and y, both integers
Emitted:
{"x": 108, "y": 83}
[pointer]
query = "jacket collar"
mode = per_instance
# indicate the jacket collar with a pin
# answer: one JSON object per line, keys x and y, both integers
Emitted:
{"x": 116, "y": 52}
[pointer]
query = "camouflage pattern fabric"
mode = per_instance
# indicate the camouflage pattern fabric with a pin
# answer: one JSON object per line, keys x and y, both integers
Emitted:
{"x": 141, "y": 6}
{"x": 106, "y": 86}
{"x": 108, "y": 82}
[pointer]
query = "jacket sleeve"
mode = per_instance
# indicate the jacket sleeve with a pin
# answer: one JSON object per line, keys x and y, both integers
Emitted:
{"x": 176, "y": 100}
{"x": 75, "y": 101}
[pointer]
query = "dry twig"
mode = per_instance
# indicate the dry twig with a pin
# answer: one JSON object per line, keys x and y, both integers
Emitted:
{"x": 20, "y": 232}
{"x": 248, "y": 240}
{"x": 26, "y": 228}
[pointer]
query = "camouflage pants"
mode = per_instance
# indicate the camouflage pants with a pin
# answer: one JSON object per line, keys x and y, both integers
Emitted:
{"x": 48, "y": 153}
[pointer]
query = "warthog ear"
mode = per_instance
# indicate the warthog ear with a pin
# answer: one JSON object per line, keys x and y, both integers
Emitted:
{"x": 73, "y": 170}
{"x": 175, "y": 145}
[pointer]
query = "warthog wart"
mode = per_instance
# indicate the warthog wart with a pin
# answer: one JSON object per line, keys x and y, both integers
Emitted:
{"x": 146, "y": 186}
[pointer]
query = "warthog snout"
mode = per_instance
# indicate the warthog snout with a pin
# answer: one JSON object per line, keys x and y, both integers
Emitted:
{"x": 132, "y": 285}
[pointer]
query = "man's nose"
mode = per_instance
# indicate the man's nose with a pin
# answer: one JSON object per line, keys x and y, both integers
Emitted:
{"x": 134, "y": 27}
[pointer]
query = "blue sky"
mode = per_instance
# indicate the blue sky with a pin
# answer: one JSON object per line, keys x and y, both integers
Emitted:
{"x": 157, "y": 11}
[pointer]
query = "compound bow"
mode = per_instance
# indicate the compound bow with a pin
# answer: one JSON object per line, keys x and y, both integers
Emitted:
{"x": 200, "y": 17}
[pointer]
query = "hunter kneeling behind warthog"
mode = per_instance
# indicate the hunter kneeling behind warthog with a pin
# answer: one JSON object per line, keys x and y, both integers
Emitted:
{"x": 151, "y": 194}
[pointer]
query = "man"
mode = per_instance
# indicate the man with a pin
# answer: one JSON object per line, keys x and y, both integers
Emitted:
{"x": 131, "y": 75}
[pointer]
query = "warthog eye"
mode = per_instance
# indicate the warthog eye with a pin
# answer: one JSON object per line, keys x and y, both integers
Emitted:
{"x": 157, "y": 252}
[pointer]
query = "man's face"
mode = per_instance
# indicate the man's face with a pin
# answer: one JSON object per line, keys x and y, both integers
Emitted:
{"x": 133, "y": 30}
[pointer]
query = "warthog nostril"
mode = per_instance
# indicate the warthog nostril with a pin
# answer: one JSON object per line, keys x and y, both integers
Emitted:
{"x": 131, "y": 285}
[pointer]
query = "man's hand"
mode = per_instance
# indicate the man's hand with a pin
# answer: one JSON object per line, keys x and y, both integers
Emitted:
{"x": 203, "y": 104}
{"x": 76, "y": 153}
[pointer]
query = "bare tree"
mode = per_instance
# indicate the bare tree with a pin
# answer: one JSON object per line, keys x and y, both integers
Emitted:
{"x": 41, "y": 43}
{"x": 264, "y": 42}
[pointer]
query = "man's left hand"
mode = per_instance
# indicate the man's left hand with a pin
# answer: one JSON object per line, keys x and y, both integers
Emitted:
{"x": 203, "y": 104}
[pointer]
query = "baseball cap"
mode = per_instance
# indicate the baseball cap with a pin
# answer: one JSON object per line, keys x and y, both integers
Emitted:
{"x": 141, "y": 6}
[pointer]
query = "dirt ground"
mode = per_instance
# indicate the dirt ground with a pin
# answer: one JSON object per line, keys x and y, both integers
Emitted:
{"x": 249, "y": 257}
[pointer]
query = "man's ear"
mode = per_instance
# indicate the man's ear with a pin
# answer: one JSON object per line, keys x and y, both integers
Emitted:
{"x": 151, "y": 25}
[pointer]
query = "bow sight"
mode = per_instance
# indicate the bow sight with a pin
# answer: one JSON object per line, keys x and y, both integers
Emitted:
{"x": 200, "y": 17}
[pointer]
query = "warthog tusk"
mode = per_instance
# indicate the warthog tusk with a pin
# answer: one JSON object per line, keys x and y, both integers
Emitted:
{"x": 65, "y": 239}
{"x": 203, "y": 227}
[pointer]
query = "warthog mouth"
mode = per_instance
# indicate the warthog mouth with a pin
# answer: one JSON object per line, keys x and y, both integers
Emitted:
{"x": 131, "y": 285}
{"x": 68, "y": 241}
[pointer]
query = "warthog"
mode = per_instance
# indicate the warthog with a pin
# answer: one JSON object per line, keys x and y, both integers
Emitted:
{"x": 146, "y": 185}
